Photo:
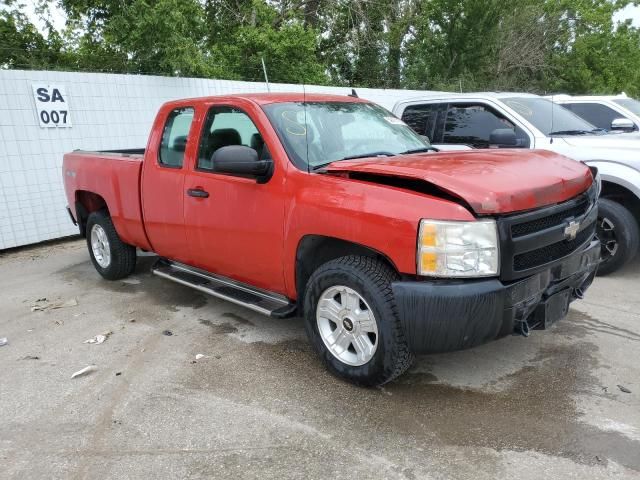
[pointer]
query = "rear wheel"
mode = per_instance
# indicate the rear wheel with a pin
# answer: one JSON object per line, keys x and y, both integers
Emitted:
{"x": 111, "y": 257}
{"x": 352, "y": 323}
{"x": 618, "y": 233}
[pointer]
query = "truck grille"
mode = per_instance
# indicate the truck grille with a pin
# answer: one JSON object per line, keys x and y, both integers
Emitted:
{"x": 538, "y": 224}
{"x": 541, "y": 256}
{"x": 530, "y": 242}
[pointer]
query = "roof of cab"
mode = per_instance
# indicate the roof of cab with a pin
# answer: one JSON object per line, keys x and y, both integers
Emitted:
{"x": 267, "y": 98}
{"x": 467, "y": 95}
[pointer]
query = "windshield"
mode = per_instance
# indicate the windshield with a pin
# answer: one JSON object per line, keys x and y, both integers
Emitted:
{"x": 630, "y": 104}
{"x": 538, "y": 112}
{"x": 324, "y": 132}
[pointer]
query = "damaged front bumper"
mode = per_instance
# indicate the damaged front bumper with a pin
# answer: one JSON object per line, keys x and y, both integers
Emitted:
{"x": 441, "y": 316}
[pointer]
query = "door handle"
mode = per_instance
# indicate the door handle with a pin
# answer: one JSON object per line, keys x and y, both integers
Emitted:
{"x": 198, "y": 193}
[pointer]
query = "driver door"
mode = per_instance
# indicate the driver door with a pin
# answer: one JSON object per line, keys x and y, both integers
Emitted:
{"x": 234, "y": 225}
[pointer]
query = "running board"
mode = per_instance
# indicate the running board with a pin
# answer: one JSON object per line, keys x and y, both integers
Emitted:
{"x": 258, "y": 300}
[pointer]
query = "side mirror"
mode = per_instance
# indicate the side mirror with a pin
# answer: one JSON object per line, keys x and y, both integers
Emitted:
{"x": 241, "y": 160}
{"x": 623, "y": 124}
{"x": 503, "y": 137}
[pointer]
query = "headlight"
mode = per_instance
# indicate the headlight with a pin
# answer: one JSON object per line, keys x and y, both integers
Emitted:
{"x": 458, "y": 249}
{"x": 598, "y": 180}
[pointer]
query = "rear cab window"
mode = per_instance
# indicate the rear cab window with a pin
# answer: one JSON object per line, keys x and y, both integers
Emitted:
{"x": 426, "y": 119}
{"x": 174, "y": 137}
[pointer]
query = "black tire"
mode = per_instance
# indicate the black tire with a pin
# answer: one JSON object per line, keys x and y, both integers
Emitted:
{"x": 371, "y": 279}
{"x": 622, "y": 240}
{"x": 123, "y": 257}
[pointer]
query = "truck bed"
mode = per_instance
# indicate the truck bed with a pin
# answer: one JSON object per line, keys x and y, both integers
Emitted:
{"x": 114, "y": 178}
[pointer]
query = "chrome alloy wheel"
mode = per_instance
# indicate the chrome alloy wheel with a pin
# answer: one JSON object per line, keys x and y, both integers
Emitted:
{"x": 347, "y": 325}
{"x": 100, "y": 246}
{"x": 606, "y": 233}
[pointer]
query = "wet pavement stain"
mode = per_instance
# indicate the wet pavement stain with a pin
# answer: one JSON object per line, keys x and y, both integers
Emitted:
{"x": 151, "y": 289}
{"x": 237, "y": 318}
{"x": 535, "y": 411}
{"x": 218, "y": 328}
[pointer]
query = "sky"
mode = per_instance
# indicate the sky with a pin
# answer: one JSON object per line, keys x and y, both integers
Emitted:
{"x": 630, "y": 11}
{"x": 57, "y": 17}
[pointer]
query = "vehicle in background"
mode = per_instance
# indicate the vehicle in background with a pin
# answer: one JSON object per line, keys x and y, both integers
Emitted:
{"x": 331, "y": 208}
{"x": 519, "y": 120}
{"x": 615, "y": 113}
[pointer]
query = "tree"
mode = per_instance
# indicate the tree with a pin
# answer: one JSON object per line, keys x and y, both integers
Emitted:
{"x": 533, "y": 45}
{"x": 21, "y": 45}
{"x": 241, "y": 33}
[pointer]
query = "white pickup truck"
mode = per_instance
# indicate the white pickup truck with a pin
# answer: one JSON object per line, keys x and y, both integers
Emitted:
{"x": 520, "y": 120}
{"x": 610, "y": 112}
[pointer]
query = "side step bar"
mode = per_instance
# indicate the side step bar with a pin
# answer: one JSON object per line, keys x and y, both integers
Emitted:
{"x": 261, "y": 301}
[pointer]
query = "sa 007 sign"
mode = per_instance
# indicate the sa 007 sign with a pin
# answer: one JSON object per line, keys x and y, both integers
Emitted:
{"x": 51, "y": 105}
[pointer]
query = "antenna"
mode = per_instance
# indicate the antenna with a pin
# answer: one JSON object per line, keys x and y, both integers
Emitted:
{"x": 266, "y": 79}
{"x": 353, "y": 93}
{"x": 552, "y": 105}
{"x": 306, "y": 125}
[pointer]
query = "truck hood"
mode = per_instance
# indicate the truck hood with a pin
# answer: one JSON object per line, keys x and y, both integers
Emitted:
{"x": 490, "y": 182}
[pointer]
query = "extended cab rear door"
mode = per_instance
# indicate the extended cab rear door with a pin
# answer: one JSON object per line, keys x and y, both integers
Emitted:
{"x": 163, "y": 176}
{"x": 234, "y": 224}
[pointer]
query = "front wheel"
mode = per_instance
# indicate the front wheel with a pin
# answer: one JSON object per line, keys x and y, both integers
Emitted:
{"x": 352, "y": 323}
{"x": 111, "y": 257}
{"x": 617, "y": 230}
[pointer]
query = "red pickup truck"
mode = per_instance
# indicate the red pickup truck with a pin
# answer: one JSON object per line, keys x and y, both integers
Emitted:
{"x": 331, "y": 208}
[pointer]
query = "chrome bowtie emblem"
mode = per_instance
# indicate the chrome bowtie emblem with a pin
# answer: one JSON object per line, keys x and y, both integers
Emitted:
{"x": 571, "y": 230}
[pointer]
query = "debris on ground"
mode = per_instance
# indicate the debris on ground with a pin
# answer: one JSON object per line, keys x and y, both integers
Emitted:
{"x": 84, "y": 371}
{"x": 3, "y": 341}
{"x": 42, "y": 304}
{"x": 167, "y": 333}
{"x": 118, "y": 374}
{"x": 30, "y": 357}
{"x": 131, "y": 281}
{"x": 199, "y": 356}
{"x": 98, "y": 339}
{"x": 624, "y": 389}
{"x": 59, "y": 322}
{"x": 132, "y": 320}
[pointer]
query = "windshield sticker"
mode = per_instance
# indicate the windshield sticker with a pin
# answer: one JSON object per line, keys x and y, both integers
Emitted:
{"x": 520, "y": 108}
{"x": 292, "y": 126}
{"x": 394, "y": 121}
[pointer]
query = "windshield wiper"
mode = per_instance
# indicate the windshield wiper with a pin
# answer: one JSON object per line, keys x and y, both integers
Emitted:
{"x": 570, "y": 132}
{"x": 353, "y": 157}
{"x": 420, "y": 150}
{"x": 371, "y": 154}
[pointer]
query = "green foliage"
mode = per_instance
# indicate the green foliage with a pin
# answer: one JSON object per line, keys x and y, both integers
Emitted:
{"x": 534, "y": 45}
{"x": 21, "y": 45}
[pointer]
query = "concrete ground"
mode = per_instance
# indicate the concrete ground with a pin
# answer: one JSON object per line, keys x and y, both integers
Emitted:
{"x": 259, "y": 405}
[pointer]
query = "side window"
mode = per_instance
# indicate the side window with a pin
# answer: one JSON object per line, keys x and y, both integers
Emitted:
{"x": 226, "y": 126}
{"x": 174, "y": 137}
{"x": 472, "y": 124}
{"x": 422, "y": 118}
{"x": 597, "y": 115}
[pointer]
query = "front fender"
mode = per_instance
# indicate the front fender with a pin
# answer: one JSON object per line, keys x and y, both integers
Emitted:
{"x": 618, "y": 174}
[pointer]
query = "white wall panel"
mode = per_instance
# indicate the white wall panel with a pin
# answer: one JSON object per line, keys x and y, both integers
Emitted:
{"x": 107, "y": 112}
